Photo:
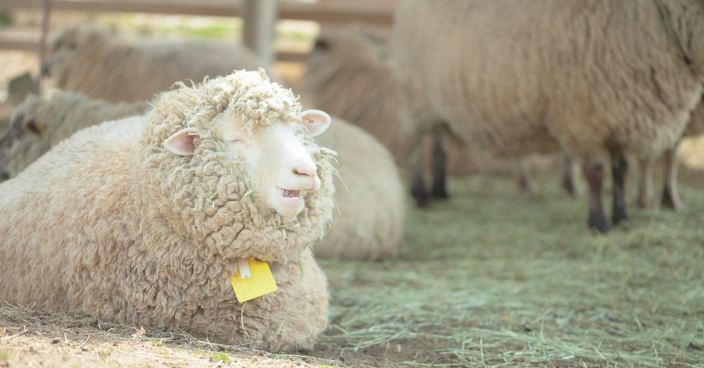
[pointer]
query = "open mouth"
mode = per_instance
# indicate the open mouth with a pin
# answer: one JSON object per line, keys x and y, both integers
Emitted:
{"x": 292, "y": 194}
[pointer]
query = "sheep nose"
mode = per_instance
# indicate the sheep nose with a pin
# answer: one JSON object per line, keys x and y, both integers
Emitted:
{"x": 306, "y": 170}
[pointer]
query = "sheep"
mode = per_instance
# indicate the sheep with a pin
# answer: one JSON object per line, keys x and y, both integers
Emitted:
{"x": 145, "y": 220}
{"x": 86, "y": 58}
{"x": 37, "y": 125}
{"x": 348, "y": 74}
{"x": 601, "y": 79}
{"x": 670, "y": 196}
{"x": 370, "y": 226}
{"x": 370, "y": 223}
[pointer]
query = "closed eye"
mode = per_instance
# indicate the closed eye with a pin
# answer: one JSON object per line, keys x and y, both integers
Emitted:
{"x": 236, "y": 141}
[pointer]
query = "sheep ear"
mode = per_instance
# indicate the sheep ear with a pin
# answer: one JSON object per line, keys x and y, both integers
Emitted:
{"x": 181, "y": 143}
{"x": 316, "y": 121}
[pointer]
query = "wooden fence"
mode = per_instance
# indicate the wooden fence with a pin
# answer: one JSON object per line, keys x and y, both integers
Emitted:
{"x": 327, "y": 13}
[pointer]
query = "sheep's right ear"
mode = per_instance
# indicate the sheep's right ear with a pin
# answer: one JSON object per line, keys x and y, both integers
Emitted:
{"x": 181, "y": 143}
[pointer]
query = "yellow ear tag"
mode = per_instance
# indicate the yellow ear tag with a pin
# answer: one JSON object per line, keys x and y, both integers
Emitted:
{"x": 252, "y": 280}
{"x": 42, "y": 130}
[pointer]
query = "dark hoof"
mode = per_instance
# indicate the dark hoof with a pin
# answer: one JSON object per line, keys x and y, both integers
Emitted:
{"x": 619, "y": 217}
{"x": 439, "y": 194}
{"x": 598, "y": 221}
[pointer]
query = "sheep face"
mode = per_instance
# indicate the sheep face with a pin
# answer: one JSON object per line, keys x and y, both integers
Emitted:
{"x": 22, "y": 126}
{"x": 274, "y": 156}
{"x": 67, "y": 43}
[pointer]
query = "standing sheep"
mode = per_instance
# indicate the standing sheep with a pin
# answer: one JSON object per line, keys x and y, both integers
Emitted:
{"x": 348, "y": 74}
{"x": 145, "y": 220}
{"x": 670, "y": 197}
{"x": 37, "y": 125}
{"x": 602, "y": 78}
{"x": 370, "y": 226}
{"x": 88, "y": 59}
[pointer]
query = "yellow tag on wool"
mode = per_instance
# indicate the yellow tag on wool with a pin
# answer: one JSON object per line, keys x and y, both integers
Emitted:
{"x": 252, "y": 280}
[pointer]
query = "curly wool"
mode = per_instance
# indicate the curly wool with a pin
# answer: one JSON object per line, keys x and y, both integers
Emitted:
{"x": 212, "y": 197}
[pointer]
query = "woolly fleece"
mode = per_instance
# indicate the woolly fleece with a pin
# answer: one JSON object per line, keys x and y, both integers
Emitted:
{"x": 111, "y": 224}
{"x": 85, "y": 58}
{"x": 62, "y": 115}
{"x": 370, "y": 223}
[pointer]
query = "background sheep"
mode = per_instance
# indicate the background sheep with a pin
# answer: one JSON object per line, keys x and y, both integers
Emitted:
{"x": 141, "y": 220}
{"x": 37, "y": 125}
{"x": 348, "y": 74}
{"x": 370, "y": 226}
{"x": 602, "y": 79}
{"x": 87, "y": 58}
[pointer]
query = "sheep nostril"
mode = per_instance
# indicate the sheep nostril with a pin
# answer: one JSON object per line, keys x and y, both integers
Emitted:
{"x": 4, "y": 176}
{"x": 304, "y": 172}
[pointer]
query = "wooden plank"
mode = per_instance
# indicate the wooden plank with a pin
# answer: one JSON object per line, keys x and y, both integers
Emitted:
{"x": 7, "y": 43}
{"x": 333, "y": 13}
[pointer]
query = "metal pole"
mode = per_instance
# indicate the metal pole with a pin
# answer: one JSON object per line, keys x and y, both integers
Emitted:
{"x": 42, "y": 47}
{"x": 259, "y": 27}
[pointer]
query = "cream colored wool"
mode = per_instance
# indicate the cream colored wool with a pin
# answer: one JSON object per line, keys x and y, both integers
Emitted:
{"x": 62, "y": 115}
{"x": 365, "y": 165}
{"x": 109, "y": 223}
{"x": 352, "y": 79}
{"x": 598, "y": 73}
{"x": 90, "y": 60}
{"x": 369, "y": 225}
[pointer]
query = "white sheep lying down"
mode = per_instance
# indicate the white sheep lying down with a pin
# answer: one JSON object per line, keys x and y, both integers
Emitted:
{"x": 145, "y": 220}
{"x": 370, "y": 223}
{"x": 90, "y": 60}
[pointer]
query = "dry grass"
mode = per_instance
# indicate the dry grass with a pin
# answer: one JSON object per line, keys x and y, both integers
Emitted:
{"x": 491, "y": 278}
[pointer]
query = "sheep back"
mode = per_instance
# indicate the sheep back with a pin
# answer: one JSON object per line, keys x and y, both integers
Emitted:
{"x": 370, "y": 223}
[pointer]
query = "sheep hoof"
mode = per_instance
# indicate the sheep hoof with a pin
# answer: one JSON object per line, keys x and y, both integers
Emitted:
{"x": 598, "y": 220}
{"x": 646, "y": 203}
{"x": 439, "y": 193}
{"x": 672, "y": 202}
{"x": 620, "y": 215}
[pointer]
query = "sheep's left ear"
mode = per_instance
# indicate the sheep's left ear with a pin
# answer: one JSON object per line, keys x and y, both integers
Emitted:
{"x": 181, "y": 143}
{"x": 316, "y": 121}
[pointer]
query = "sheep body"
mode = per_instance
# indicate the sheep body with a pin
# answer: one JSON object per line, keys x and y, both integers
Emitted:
{"x": 59, "y": 117}
{"x": 370, "y": 224}
{"x": 135, "y": 72}
{"x": 602, "y": 78}
{"x": 110, "y": 223}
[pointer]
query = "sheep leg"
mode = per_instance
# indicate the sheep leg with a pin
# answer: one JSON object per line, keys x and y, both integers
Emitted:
{"x": 670, "y": 198}
{"x": 439, "y": 167}
{"x": 594, "y": 173}
{"x": 645, "y": 190}
{"x": 414, "y": 165}
{"x": 524, "y": 176}
{"x": 619, "y": 169}
{"x": 568, "y": 175}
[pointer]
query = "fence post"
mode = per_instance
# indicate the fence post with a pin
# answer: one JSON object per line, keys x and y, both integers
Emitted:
{"x": 259, "y": 27}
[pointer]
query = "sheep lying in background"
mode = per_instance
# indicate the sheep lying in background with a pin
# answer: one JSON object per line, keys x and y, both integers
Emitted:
{"x": 670, "y": 196}
{"x": 370, "y": 226}
{"x": 90, "y": 60}
{"x": 145, "y": 220}
{"x": 348, "y": 74}
{"x": 37, "y": 125}
{"x": 601, "y": 78}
